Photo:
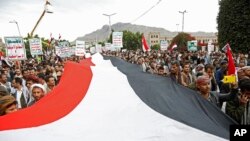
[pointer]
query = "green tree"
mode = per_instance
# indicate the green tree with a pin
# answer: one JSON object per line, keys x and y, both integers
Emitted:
{"x": 155, "y": 47}
{"x": 181, "y": 41}
{"x": 110, "y": 37}
{"x": 138, "y": 40}
{"x": 234, "y": 24}
{"x": 45, "y": 45}
{"x": 131, "y": 41}
{"x": 101, "y": 43}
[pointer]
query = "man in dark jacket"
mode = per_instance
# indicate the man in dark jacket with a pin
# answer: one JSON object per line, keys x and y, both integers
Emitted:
{"x": 239, "y": 108}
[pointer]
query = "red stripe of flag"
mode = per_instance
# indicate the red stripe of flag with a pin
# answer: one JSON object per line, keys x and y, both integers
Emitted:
{"x": 56, "y": 104}
{"x": 145, "y": 46}
{"x": 231, "y": 66}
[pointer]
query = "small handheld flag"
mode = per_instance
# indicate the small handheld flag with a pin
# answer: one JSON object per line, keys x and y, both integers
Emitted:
{"x": 145, "y": 46}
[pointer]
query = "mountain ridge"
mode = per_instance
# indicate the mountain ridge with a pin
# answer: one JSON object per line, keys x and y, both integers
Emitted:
{"x": 103, "y": 33}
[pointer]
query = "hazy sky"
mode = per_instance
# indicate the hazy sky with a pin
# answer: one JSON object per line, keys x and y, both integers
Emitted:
{"x": 74, "y": 18}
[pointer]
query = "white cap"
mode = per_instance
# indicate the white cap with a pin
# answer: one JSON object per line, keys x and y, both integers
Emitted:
{"x": 39, "y": 86}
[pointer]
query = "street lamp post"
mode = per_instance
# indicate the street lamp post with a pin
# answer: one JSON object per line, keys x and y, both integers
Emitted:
{"x": 183, "y": 13}
{"x": 14, "y": 21}
{"x": 109, "y": 15}
{"x": 46, "y": 10}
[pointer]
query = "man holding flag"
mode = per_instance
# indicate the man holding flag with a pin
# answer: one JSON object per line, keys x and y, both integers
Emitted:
{"x": 239, "y": 108}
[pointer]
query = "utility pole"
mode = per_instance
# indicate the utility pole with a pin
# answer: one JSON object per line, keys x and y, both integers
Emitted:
{"x": 183, "y": 13}
{"x": 109, "y": 15}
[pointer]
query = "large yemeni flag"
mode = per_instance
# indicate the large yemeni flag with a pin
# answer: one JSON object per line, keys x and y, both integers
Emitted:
{"x": 97, "y": 100}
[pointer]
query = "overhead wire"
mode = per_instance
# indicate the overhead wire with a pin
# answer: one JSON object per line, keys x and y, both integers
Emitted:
{"x": 144, "y": 13}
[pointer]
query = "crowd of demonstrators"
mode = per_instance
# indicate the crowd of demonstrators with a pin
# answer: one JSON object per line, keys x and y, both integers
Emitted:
{"x": 202, "y": 72}
{"x": 23, "y": 83}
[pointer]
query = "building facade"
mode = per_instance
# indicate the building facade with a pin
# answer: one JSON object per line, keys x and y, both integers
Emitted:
{"x": 206, "y": 39}
{"x": 156, "y": 38}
